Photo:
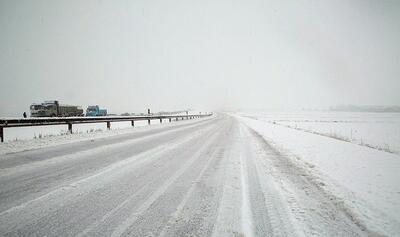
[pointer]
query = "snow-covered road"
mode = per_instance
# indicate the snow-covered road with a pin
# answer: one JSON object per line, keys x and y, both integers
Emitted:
{"x": 209, "y": 177}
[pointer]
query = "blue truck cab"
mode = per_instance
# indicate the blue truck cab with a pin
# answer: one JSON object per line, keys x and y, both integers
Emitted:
{"x": 95, "y": 110}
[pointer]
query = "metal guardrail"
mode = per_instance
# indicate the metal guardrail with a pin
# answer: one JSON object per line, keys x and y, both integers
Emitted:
{"x": 29, "y": 122}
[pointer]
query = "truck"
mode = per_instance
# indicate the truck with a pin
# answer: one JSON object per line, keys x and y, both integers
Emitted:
{"x": 95, "y": 110}
{"x": 53, "y": 108}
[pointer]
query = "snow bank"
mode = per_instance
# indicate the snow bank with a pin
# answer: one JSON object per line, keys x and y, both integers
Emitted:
{"x": 366, "y": 179}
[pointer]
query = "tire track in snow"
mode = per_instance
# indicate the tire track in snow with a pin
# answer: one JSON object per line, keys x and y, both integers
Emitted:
{"x": 120, "y": 230}
{"x": 247, "y": 216}
{"x": 105, "y": 171}
{"x": 187, "y": 196}
{"x": 310, "y": 210}
{"x": 195, "y": 215}
{"x": 235, "y": 216}
{"x": 92, "y": 151}
{"x": 34, "y": 180}
{"x": 277, "y": 221}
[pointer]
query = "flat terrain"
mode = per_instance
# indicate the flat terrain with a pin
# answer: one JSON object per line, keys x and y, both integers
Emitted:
{"x": 210, "y": 177}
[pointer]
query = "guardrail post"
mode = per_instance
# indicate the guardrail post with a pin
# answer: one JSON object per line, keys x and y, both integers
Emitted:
{"x": 108, "y": 125}
{"x": 70, "y": 128}
{"x": 160, "y": 120}
{"x": 1, "y": 134}
{"x": 169, "y": 119}
{"x": 148, "y": 121}
{"x": 176, "y": 118}
{"x": 133, "y": 123}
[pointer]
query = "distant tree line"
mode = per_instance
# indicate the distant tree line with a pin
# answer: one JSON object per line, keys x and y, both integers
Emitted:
{"x": 366, "y": 108}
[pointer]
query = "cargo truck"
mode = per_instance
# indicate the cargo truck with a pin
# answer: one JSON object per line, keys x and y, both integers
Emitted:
{"x": 54, "y": 109}
{"x": 95, "y": 110}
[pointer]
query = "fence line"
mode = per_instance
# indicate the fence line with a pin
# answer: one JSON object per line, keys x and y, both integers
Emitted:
{"x": 29, "y": 122}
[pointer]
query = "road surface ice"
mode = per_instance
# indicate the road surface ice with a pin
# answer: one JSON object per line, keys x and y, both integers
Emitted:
{"x": 206, "y": 177}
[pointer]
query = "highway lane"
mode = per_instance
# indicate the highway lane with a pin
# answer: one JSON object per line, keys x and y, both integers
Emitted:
{"x": 211, "y": 177}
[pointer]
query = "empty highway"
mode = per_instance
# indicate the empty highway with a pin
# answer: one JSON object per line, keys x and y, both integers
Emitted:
{"x": 204, "y": 177}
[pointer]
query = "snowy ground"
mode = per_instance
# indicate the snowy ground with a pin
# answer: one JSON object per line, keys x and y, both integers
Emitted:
{"x": 376, "y": 130}
{"x": 365, "y": 181}
{"x": 218, "y": 176}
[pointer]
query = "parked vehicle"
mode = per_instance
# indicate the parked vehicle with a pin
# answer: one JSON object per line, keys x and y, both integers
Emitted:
{"x": 95, "y": 110}
{"x": 55, "y": 109}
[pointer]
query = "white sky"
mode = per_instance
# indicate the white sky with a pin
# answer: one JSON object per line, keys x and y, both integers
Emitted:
{"x": 131, "y": 55}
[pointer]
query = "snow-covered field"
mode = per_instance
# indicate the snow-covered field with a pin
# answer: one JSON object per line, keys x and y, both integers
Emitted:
{"x": 365, "y": 179}
{"x": 376, "y": 130}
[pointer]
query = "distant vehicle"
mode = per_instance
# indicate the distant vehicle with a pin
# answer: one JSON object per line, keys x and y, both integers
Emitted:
{"x": 95, "y": 110}
{"x": 54, "y": 109}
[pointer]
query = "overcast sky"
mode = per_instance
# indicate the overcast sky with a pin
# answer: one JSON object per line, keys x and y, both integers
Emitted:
{"x": 211, "y": 55}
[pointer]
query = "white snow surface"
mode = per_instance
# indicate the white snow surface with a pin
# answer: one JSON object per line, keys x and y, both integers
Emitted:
{"x": 376, "y": 130}
{"x": 366, "y": 180}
